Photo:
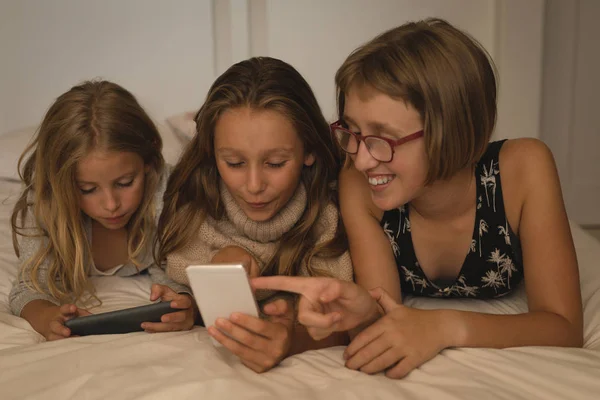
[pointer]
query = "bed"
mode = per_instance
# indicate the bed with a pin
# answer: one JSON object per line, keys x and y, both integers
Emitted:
{"x": 185, "y": 365}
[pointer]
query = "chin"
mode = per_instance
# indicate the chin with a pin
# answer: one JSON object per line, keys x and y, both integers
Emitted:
{"x": 387, "y": 201}
{"x": 259, "y": 216}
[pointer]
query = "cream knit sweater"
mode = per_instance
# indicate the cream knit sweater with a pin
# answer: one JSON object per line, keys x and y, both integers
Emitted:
{"x": 260, "y": 239}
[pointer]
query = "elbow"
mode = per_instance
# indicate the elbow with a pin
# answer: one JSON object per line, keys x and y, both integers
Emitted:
{"x": 576, "y": 339}
{"x": 576, "y": 333}
{"x": 573, "y": 333}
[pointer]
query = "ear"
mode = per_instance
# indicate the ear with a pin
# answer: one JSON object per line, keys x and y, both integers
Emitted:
{"x": 309, "y": 159}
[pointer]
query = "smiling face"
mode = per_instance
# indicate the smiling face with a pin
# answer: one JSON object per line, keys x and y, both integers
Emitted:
{"x": 260, "y": 158}
{"x": 369, "y": 112}
{"x": 111, "y": 185}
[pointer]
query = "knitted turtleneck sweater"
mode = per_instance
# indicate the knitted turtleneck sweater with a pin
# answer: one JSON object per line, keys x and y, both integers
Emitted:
{"x": 260, "y": 239}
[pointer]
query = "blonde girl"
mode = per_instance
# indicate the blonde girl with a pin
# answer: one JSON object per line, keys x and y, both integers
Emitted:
{"x": 93, "y": 182}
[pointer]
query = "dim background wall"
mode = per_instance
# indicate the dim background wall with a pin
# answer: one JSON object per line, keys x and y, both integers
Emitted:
{"x": 168, "y": 54}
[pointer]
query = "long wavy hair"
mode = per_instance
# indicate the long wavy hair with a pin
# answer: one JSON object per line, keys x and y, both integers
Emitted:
{"x": 192, "y": 192}
{"x": 93, "y": 115}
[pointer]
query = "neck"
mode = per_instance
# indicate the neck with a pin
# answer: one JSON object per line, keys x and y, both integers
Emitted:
{"x": 448, "y": 199}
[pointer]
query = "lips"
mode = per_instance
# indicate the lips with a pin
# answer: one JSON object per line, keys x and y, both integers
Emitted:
{"x": 258, "y": 205}
{"x": 379, "y": 179}
{"x": 115, "y": 219}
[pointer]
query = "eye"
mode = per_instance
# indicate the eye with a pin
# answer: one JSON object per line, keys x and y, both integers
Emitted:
{"x": 125, "y": 184}
{"x": 87, "y": 191}
{"x": 346, "y": 126}
{"x": 276, "y": 165}
{"x": 234, "y": 165}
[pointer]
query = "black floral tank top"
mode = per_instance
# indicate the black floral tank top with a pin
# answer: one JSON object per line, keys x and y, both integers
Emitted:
{"x": 493, "y": 266}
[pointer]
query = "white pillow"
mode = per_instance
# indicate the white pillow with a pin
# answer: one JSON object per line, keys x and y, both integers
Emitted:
{"x": 172, "y": 146}
{"x": 183, "y": 126}
{"x": 13, "y": 143}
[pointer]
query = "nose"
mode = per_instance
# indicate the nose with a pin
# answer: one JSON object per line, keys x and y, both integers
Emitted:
{"x": 363, "y": 160}
{"x": 111, "y": 201}
{"x": 255, "y": 181}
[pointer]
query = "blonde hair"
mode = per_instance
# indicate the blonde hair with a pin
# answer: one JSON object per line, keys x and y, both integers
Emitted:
{"x": 193, "y": 189}
{"x": 92, "y": 115}
{"x": 445, "y": 74}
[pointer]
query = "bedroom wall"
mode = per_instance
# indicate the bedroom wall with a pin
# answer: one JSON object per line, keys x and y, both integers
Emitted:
{"x": 169, "y": 53}
{"x": 161, "y": 51}
{"x": 316, "y": 36}
{"x": 570, "y": 119}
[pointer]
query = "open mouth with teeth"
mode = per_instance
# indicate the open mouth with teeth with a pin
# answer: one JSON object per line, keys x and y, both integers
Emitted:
{"x": 380, "y": 180}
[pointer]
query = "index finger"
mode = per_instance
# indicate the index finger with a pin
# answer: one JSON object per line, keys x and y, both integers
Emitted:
{"x": 293, "y": 284}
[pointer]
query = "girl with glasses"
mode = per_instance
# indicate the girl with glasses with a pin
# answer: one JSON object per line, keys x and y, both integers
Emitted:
{"x": 432, "y": 208}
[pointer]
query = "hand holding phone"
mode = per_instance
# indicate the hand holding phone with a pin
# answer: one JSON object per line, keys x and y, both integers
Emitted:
{"x": 229, "y": 310}
{"x": 182, "y": 319}
{"x": 121, "y": 321}
{"x": 220, "y": 290}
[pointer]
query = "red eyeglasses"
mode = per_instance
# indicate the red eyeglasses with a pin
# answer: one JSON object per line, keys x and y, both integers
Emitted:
{"x": 380, "y": 148}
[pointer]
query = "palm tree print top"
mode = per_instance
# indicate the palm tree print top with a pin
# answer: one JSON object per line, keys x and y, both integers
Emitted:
{"x": 492, "y": 268}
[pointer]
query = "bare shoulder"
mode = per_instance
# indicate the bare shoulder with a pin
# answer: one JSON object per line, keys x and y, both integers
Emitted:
{"x": 526, "y": 158}
{"x": 527, "y": 167}
{"x": 355, "y": 194}
{"x": 370, "y": 249}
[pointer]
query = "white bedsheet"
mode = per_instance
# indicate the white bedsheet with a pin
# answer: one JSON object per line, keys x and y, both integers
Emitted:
{"x": 184, "y": 365}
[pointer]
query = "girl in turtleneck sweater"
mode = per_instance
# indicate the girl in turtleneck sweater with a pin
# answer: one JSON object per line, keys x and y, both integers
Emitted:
{"x": 258, "y": 185}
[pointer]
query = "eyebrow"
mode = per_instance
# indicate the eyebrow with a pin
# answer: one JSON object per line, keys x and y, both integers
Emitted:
{"x": 278, "y": 150}
{"x": 127, "y": 175}
{"x": 376, "y": 126}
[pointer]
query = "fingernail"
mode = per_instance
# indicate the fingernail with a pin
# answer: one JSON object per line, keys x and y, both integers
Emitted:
{"x": 235, "y": 316}
{"x": 144, "y": 326}
{"x": 174, "y": 305}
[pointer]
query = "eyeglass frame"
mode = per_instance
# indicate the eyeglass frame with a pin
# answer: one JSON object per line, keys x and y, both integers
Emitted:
{"x": 360, "y": 138}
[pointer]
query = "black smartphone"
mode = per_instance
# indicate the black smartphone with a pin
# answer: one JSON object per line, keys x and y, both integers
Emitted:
{"x": 121, "y": 321}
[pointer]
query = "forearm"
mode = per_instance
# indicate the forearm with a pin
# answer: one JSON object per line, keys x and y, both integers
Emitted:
{"x": 22, "y": 294}
{"x": 539, "y": 328}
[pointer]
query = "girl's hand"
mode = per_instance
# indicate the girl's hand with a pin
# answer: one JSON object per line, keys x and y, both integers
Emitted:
{"x": 326, "y": 305}
{"x": 235, "y": 254}
{"x": 260, "y": 344}
{"x": 175, "y": 321}
{"x": 57, "y": 316}
{"x": 403, "y": 339}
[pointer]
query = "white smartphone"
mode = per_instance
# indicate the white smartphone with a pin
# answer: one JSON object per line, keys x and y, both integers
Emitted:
{"x": 220, "y": 290}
